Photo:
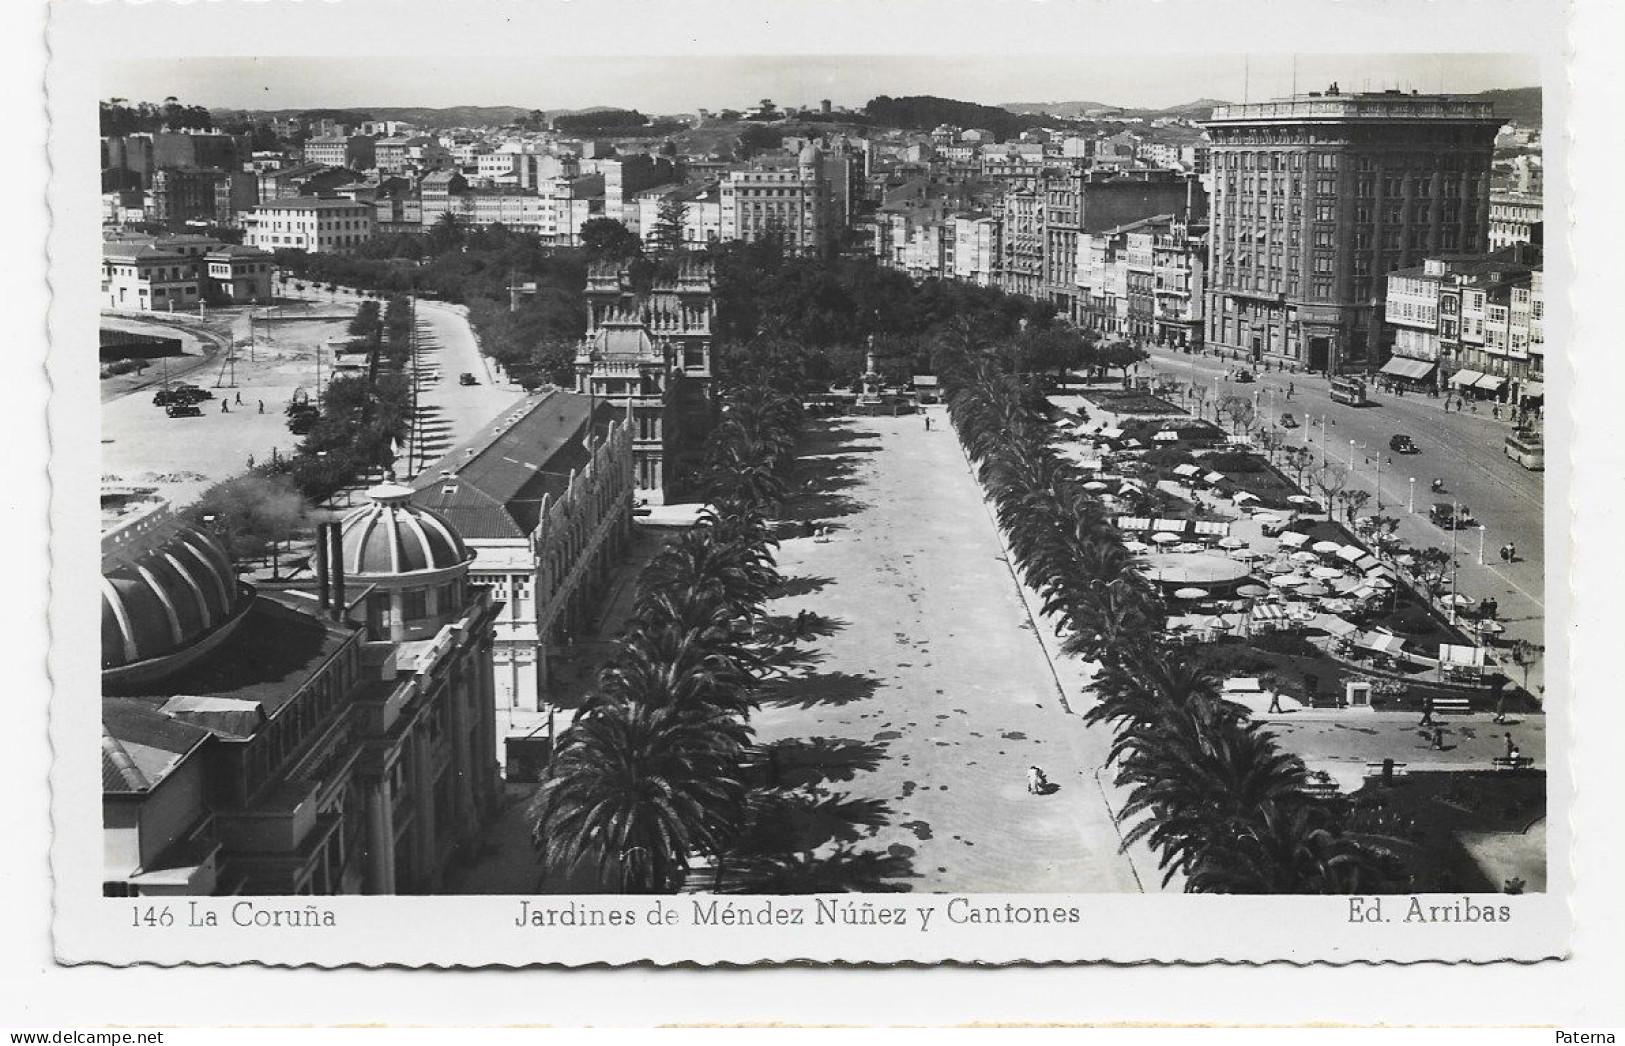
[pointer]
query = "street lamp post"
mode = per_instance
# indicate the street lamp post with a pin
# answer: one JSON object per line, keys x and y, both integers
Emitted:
{"x": 1351, "y": 455}
{"x": 1454, "y": 567}
{"x": 1481, "y": 531}
{"x": 1410, "y": 501}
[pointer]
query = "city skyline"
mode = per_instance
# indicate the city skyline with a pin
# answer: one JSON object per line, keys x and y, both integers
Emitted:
{"x": 680, "y": 83}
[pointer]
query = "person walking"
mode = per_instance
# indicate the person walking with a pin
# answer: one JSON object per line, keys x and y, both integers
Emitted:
{"x": 1437, "y": 741}
{"x": 239, "y": 398}
{"x": 1275, "y": 703}
{"x": 225, "y": 407}
{"x": 1427, "y": 712}
{"x": 262, "y": 406}
{"x": 1512, "y": 552}
{"x": 1495, "y": 412}
{"x": 1512, "y": 748}
{"x": 1290, "y": 388}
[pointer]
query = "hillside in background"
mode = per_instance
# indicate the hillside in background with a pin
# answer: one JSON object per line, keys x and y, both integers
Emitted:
{"x": 1519, "y": 104}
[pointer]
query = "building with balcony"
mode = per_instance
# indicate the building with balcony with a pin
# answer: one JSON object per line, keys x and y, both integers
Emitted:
{"x": 1469, "y": 323}
{"x": 141, "y": 276}
{"x": 1515, "y": 218}
{"x": 260, "y": 742}
{"x": 543, "y": 495}
{"x": 1318, "y": 197}
{"x": 790, "y": 202}
{"x": 356, "y": 152}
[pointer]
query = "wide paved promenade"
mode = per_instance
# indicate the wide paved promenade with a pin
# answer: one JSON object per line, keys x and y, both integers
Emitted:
{"x": 934, "y": 695}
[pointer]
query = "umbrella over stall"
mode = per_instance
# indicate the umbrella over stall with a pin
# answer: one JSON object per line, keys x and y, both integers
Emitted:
{"x": 1191, "y": 593}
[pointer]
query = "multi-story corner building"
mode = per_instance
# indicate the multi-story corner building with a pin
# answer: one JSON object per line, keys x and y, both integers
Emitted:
{"x": 1470, "y": 323}
{"x": 789, "y": 202}
{"x": 1515, "y": 218}
{"x": 400, "y": 155}
{"x": 1078, "y": 201}
{"x": 543, "y": 495}
{"x": 260, "y": 742}
{"x": 305, "y": 179}
{"x": 1318, "y": 197}
{"x": 1178, "y": 278}
{"x": 143, "y": 276}
{"x": 310, "y": 224}
{"x": 650, "y": 354}
{"x": 357, "y": 152}
{"x": 1021, "y": 268}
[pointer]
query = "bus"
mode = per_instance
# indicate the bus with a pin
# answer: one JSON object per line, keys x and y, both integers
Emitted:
{"x": 1528, "y": 450}
{"x": 1348, "y": 390}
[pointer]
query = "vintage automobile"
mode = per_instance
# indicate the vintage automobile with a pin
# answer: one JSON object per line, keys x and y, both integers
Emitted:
{"x": 1243, "y": 377}
{"x": 1403, "y": 444}
{"x": 1451, "y": 517}
{"x": 183, "y": 410}
{"x": 1288, "y": 421}
{"x": 466, "y": 378}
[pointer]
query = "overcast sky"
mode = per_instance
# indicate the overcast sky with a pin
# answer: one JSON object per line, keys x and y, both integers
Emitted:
{"x": 677, "y": 84}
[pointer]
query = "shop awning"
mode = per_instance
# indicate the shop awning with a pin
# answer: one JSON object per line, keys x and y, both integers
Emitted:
{"x": 1382, "y": 643}
{"x": 1171, "y": 526}
{"x": 1533, "y": 390}
{"x": 1465, "y": 379}
{"x": 1293, "y": 538}
{"x": 1186, "y": 470}
{"x": 1490, "y": 382}
{"x": 1402, "y": 367}
{"x": 1213, "y": 477}
{"x": 1461, "y": 656}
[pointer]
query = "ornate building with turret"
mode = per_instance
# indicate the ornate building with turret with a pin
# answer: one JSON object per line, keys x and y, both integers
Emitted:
{"x": 649, "y": 352}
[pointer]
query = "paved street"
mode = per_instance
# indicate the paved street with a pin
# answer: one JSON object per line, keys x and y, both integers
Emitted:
{"x": 934, "y": 695}
{"x": 1462, "y": 448}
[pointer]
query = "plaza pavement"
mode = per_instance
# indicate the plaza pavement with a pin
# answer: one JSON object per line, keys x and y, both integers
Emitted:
{"x": 934, "y": 690}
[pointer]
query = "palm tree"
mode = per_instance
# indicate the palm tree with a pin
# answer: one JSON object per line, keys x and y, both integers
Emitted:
{"x": 636, "y": 789}
{"x": 1293, "y": 849}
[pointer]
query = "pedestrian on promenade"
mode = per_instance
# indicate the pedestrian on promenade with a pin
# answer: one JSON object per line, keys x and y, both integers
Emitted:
{"x": 262, "y": 406}
{"x": 1427, "y": 712}
{"x": 1037, "y": 783}
{"x": 251, "y": 461}
{"x": 1495, "y": 412}
{"x": 1290, "y": 389}
{"x": 1512, "y": 552}
{"x": 225, "y": 407}
{"x": 1275, "y": 703}
{"x": 1437, "y": 744}
{"x": 1501, "y": 708}
{"x": 1512, "y": 748}
{"x": 239, "y": 398}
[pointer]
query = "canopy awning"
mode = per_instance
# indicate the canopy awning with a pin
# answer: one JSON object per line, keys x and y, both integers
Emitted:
{"x": 1465, "y": 379}
{"x": 1186, "y": 470}
{"x": 1350, "y": 554}
{"x": 1382, "y": 643}
{"x": 1215, "y": 527}
{"x": 1533, "y": 390}
{"x": 1294, "y": 538}
{"x": 1172, "y": 526}
{"x": 1268, "y": 612}
{"x": 1402, "y": 367}
{"x": 1490, "y": 382}
{"x": 1213, "y": 477}
{"x": 1165, "y": 436}
{"x": 1133, "y": 523}
{"x": 1112, "y": 433}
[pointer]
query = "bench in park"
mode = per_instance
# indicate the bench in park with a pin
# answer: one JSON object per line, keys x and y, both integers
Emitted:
{"x": 1522, "y": 762}
{"x": 1386, "y": 769}
{"x": 1452, "y": 705}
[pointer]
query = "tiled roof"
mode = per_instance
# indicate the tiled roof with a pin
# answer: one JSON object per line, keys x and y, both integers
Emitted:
{"x": 141, "y": 746}
{"x": 503, "y": 472}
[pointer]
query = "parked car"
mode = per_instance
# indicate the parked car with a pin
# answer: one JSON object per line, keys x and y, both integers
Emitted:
{"x": 466, "y": 378}
{"x": 1244, "y": 376}
{"x": 164, "y": 397}
{"x": 191, "y": 393}
{"x": 302, "y": 423}
{"x": 1288, "y": 421}
{"x": 183, "y": 410}
{"x": 1404, "y": 445}
{"x": 1451, "y": 517}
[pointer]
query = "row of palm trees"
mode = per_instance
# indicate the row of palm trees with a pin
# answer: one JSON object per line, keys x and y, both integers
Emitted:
{"x": 1207, "y": 788}
{"x": 649, "y": 775}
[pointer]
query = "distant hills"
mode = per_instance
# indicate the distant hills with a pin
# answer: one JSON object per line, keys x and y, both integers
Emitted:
{"x": 419, "y": 116}
{"x": 1519, "y": 104}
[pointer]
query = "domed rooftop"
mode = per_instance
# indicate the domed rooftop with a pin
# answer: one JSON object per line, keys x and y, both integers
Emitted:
{"x": 394, "y": 536}
{"x": 810, "y": 154}
{"x": 163, "y": 591}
